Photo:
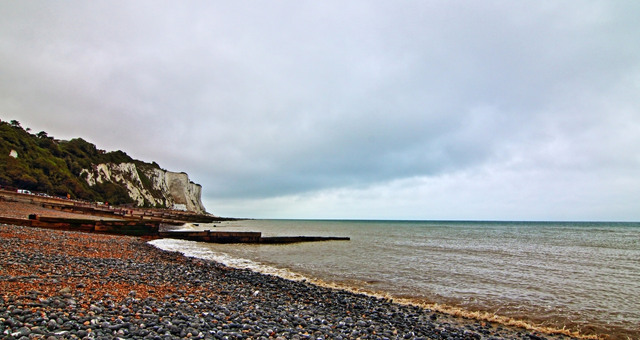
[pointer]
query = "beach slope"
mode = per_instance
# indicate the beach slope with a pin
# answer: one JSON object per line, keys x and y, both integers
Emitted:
{"x": 78, "y": 285}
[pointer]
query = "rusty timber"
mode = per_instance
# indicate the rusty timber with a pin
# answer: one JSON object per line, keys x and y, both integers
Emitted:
{"x": 136, "y": 221}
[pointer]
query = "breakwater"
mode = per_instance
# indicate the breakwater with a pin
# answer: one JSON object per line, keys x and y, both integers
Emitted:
{"x": 243, "y": 237}
{"x": 167, "y": 216}
{"x": 62, "y": 214}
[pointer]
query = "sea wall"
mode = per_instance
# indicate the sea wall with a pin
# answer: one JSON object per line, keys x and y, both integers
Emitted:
{"x": 148, "y": 185}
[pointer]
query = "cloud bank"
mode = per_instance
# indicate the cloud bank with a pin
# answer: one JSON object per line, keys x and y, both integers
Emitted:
{"x": 365, "y": 109}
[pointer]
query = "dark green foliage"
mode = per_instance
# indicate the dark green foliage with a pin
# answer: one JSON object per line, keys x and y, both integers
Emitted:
{"x": 112, "y": 193}
{"x": 55, "y": 167}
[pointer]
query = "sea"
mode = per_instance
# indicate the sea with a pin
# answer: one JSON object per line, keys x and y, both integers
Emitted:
{"x": 577, "y": 276}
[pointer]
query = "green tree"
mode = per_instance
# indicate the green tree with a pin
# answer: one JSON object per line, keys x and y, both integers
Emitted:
{"x": 55, "y": 167}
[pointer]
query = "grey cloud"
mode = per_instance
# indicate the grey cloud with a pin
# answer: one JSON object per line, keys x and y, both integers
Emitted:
{"x": 295, "y": 97}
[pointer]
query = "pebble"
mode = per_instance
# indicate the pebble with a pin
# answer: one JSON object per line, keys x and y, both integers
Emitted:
{"x": 164, "y": 295}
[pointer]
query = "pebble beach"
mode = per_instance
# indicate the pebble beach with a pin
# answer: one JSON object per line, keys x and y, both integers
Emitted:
{"x": 71, "y": 285}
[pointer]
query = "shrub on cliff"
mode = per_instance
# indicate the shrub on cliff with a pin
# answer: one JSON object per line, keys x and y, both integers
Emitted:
{"x": 46, "y": 165}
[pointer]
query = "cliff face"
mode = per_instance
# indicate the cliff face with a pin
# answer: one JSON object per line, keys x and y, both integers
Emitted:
{"x": 149, "y": 186}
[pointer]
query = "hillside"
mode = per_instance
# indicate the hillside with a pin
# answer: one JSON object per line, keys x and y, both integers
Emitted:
{"x": 40, "y": 163}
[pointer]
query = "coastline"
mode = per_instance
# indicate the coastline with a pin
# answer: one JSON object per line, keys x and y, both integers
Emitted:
{"x": 71, "y": 284}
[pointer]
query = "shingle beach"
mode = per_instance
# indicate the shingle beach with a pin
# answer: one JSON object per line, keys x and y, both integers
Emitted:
{"x": 61, "y": 284}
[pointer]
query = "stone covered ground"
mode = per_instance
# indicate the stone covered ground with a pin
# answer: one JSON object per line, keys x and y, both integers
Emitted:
{"x": 58, "y": 284}
{"x": 23, "y": 210}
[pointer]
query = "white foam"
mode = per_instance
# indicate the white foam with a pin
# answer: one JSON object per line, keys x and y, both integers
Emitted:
{"x": 195, "y": 249}
{"x": 187, "y": 227}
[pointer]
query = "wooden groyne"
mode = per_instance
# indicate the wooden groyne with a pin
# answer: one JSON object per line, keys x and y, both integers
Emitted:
{"x": 121, "y": 227}
{"x": 214, "y": 236}
{"x": 296, "y": 239}
{"x": 167, "y": 216}
{"x": 243, "y": 237}
{"x": 151, "y": 230}
{"x": 146, "y": 223}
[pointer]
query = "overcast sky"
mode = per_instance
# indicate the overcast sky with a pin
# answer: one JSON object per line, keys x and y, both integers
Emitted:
{"x": 500, "y": 110}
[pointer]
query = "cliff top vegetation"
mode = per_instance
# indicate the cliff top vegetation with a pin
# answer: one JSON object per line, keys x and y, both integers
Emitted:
{"x": 39, "y": 162}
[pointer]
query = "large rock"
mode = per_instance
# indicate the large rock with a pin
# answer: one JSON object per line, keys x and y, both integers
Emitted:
{"x": 148, "y": 185}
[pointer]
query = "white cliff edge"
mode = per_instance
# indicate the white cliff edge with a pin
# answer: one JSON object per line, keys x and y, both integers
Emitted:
{"x": 164, "y": 188}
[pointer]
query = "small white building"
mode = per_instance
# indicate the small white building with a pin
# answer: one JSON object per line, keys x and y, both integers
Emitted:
{"x": 13, "y": 153}
{"x": 181, "y": 207}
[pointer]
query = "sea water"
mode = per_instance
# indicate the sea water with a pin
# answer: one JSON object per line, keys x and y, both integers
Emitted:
{"x": 581, "y": 276}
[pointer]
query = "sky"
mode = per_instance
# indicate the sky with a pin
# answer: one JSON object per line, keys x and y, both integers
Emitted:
{"x": 430, "y": 110}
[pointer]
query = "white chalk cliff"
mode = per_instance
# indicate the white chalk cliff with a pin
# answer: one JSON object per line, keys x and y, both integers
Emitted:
{"x": 159, "y": 187}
